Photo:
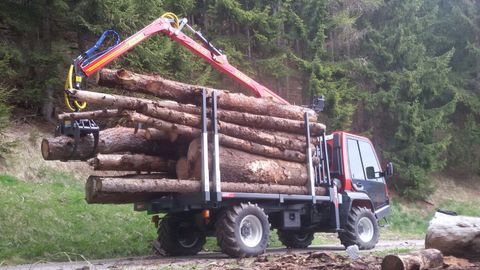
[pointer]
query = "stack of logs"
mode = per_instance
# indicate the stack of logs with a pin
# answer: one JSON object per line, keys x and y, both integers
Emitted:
{"x": 262, "y": 143}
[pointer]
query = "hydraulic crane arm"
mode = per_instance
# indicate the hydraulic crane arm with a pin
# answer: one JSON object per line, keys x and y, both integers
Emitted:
{"x": 172, "y": 27}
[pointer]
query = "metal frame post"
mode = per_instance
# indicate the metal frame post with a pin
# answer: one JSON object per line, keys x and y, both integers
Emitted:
{"x": 205, "y": 171}
{"x": 331, "y": 184}
{"x": 310, "y": 171}
{"x": 216, "y": 148}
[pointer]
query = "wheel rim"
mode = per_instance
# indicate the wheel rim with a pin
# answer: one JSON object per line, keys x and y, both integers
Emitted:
{"x": 365, "y": 229}
{"x": 187, "y": 237}
{"x": 251, "y": 231}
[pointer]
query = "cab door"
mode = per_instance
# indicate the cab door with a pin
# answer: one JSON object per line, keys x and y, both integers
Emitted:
{"x": 360, "y": 156}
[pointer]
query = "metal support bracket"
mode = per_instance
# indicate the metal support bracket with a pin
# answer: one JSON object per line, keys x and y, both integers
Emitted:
{"x": 216, "y": 149}
{"x": 205, "y": 171}
{"x": 310, "y": 171}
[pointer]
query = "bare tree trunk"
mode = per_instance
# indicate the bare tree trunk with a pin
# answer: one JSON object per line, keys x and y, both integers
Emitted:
{"x": 113, "y": 140}
{"x": 454, "y": 235}
{"x": 90, "y": 114}
{"x": 185, "y": 93}
{"x": 129, "y": 190}
{"x": 228, "y": 141}
{"x": 129, "y": 162}
{"x": 239, "y": 166}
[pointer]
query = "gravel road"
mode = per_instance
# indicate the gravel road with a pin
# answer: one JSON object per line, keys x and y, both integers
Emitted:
{"x": 203, "y": 260}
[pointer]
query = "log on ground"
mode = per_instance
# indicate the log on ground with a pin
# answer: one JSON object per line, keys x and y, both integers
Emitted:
{"x": 132, "y": 162}
{"x": 185, "y": 93}
{"x": 420, "y": 260}
{"x": 113, "y": 140}
{"x": 454, "y": 235}
{"x": 128, "y": 190}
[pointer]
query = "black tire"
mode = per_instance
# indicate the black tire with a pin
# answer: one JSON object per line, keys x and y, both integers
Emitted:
{"x": 295, "y": 239}
{"x": 243, "y": 231}
{"x": 358, "y": 223}
{"x": 178, "y": 236}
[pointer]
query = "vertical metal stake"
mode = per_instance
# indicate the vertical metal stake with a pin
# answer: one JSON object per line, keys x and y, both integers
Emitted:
{"x": 216, "y": 148}
{"x": 205, "y": 172}
{"x": 309, "y": 160}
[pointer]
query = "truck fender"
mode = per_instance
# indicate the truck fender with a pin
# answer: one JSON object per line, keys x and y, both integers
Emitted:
{"x": 353, "y": 199}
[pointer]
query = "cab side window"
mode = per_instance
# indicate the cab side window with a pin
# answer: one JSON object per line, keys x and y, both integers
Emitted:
{"x": 368, "y": 157}
{"x": 355, "y": 161}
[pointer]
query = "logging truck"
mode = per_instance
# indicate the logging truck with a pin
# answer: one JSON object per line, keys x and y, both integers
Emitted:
{"x": 345, "y": 189}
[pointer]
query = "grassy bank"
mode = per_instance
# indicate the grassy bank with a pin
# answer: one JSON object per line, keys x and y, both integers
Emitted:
{"x": 52, "y": 222}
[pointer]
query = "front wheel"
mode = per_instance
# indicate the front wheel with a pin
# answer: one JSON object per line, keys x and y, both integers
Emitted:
{"x": 295, "y": 239}
{"x": 242, "y": 231}
{"x": 178, "y": 236}
{"x": 361, "y": 229}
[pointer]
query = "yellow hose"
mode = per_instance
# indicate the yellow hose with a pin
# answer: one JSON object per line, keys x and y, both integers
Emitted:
{"x": 171, "y": 15}
{"x": 69, "y": 85}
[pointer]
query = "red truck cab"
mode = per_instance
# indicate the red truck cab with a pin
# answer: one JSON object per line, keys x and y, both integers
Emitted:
{"x": 355, "y": 167}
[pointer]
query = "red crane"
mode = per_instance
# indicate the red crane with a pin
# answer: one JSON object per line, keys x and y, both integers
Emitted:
{"x": 169, "y": 24}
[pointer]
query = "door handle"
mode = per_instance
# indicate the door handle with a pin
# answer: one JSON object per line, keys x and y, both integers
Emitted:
{"x": 358, "y": 186}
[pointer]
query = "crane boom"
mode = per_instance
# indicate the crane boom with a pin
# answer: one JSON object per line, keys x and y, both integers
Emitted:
{"x": 207, "y": 52}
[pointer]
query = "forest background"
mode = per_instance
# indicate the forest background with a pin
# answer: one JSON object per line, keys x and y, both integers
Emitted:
{"x": 405, "y": 73}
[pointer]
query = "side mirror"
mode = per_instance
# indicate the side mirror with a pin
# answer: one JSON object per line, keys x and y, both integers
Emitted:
{"x": 370, "y": 172}
{"x": 389, "y": 170}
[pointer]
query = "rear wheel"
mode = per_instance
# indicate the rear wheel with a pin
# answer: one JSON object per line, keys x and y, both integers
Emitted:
{"x": 295, "y": 239}
{"x": 361, "y": 229}
{"x": 242, "y": 230}
{"x": 178, "y": 235}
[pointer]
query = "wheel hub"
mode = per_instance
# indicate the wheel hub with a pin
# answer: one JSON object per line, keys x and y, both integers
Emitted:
{"x": 251, "y": 231}
{"x": 365, "y": 229}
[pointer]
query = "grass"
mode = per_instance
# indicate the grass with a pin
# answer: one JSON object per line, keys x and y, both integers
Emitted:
{"x": 52, "y": 222}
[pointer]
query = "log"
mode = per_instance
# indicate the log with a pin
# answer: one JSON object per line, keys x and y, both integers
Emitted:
{"x": 181, "y": 168}
{"x": 129, "y": 190}
{"x": 454, "y": 235}
{"x": 146, "y": 105}
{"x": 185, "y": 93}
{"x": 239, "y": 166}
{"x": 130, "y": 103}
{"x": 90, "y": 114}
{"x": 228, "y": 141}
{"x": 128, "y": 162}
{"x": 113, "y": 140}
{"x": 250, "y": 120}
{"x": 420, "y": 260}
{"x": 233, "y": 130}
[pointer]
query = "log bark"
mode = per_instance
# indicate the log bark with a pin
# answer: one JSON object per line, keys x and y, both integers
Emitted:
{"x": 250, "y": 120}
{"x": 113, "y": 140}
{"x": 424, "y": 259}
{"x": 185, "y": 93}
{"x": 454, "y": 235}
{"x": 181, "y": 168}
{"x": 130, "y": 103}
{"x": 129, "y": 190}
{"x": 128, "y": 162}
{"x": 239, "y": 166}
{"x": 233, "y": 130}
{"x": 90, "y": 114}
{"x": 228, "y": 141}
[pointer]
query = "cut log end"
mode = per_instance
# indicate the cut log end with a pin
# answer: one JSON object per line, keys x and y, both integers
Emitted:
{"x": 424, "y": 259}
{"x": 45, "y": 148}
